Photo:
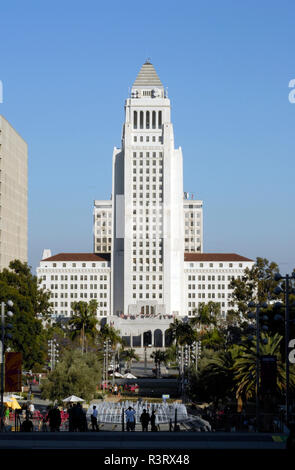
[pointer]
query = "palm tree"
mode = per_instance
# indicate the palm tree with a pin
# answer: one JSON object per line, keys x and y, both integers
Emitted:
{"x": 182, "y": 333}
{"x": 108, "y": 332}
{"x": 84, "y": 321}
{"x": 129, "y": 355}
{"x": 245, "y": 366}
{"x": 215, "y": 379}
{"x": 159, "y": 357}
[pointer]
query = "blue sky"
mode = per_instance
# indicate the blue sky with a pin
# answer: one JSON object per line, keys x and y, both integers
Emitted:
{"x": 66, "y": 67}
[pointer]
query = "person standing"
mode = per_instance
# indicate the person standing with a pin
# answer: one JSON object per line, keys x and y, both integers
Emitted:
{"x": 153, "y": 421}
{"x": 54, "y": 419}
{"x": 31, "y": 410}
{"x": 130, "y": 419}
{"x": 145, "y": 419}
{"x": 70, "y": 413}
{"x": 27, "y": 425}
{"x": 81, "y": 416}
{"x": 94, "y": 419}
{"x": 6, "y": 415}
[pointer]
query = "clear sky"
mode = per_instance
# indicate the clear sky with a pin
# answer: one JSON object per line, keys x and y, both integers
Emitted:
{"x": 66, "y": 67}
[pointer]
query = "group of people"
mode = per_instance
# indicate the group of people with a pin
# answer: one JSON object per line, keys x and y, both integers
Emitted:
{"x": 145, "y": 419}
{"x": 119, "y": 389}
{"x": 77, "y": 418}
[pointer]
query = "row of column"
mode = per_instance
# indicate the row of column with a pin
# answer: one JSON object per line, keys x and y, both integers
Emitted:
{"x": 157, "y": 339}
{"x": 147, "y": 119}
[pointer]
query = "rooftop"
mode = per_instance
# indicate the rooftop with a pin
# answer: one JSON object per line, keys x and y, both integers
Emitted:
{"x": 79, "y": 257}
{"x": 214, "y": 257}
{"x": 147, "y": 77}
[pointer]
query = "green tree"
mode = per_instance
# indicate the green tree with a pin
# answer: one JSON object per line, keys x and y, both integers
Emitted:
{"x": 129, "y": 355}
{"x": 207, "y": 322}
{"x": 206, "y": 315}
{"x": 258, "y": 285}
{"x": 214, "y": 379}
{"x": 108, "y": 332}
{"x": 76, "y": 374}
{"x": 31, "y": 306}
{"x": 159, "y": 358}
{"x": 245, "y": 366}
{"x": 84, "y": 321}
{"x": 182, "y": 333}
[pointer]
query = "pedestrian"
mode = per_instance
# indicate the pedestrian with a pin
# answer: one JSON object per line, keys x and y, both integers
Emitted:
{"x": 130, "y": 419}
{"x": 31, "y": 410}
{"x": 153, "y": 421}
{"x": 116, "y": 389}
{"x": 6, "y": 415}
{"x": 94, "y": 419}
{"x": 54, "y": 419}
{"x": 81, "y": 418}
{"x": 70, "y": 413}
{"x": 75, "y": 417}
{"x": 27, "y": 425}
{"x": 145, "y": 419}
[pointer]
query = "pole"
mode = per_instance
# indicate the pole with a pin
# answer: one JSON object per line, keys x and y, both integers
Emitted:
{"x": 113, "y": 380}
{"x": 175, "y": 419}
{"x": 257, "y": 367}
{"x": 2, "y": 362}
{"x": 286, "y": 347}
{"x": 123, "y": 420}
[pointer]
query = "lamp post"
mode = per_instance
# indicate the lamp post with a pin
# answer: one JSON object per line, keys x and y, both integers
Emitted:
{"x": 9, "y": 314}
{"x": 53, "y": 353}
{"x": 256, "y": 315}
{"x": 287, "y": 290}
{"x": 145, "y": 360}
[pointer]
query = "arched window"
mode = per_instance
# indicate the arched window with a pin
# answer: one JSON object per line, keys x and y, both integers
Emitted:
{"x": 135, "y": 119}
{"x": 154, "y": 119}
{"x": 158, "y": 338}
{"x": 168, "y": 338}
{"x": 147, "y": 120}
{"x": 147, "y": 338}
{"x": 141, "y": 120}
{"x": 160, "y": 120}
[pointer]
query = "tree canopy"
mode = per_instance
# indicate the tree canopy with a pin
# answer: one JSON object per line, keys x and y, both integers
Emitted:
{"x": 30, "y": 306}
{"x": 76, "y": 374}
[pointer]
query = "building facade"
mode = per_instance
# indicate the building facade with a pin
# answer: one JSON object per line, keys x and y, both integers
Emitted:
{"x": 73, "y": 277}
{"x": 148, "y": 238}
{"x": 102, "y": 226}
{"x": 13, "y": 195}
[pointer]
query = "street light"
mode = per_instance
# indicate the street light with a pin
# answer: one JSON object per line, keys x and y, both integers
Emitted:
{"x": 3, "y": 335}
{"x": 53, "y": 352}
{"x": 286, "y": 290}
{"x": 252, "y": 315}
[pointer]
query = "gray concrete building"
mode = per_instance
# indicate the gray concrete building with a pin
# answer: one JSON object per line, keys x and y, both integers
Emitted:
{"x": 13, "y": 195}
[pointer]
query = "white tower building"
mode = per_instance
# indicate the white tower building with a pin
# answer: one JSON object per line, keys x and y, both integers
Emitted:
{"x": 148, "y": 265}
{"x": 148, "y": 213}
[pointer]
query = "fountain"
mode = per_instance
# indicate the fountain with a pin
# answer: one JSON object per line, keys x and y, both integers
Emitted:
{"x": 111, "y": 413}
